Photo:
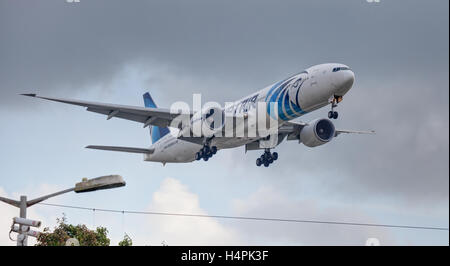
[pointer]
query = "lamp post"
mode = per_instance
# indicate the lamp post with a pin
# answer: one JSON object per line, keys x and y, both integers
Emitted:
{"x": 87, "y": 185}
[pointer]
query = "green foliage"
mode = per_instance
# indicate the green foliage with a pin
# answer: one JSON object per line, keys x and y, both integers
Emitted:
{"x": 126, "y": 241}
{"x": 64, "y": 231}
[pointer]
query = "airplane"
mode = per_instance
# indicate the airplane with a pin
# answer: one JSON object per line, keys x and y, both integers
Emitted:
{"x": 286, "y": 100}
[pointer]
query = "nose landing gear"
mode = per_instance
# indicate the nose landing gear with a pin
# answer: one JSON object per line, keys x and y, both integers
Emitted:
{"x": 333, "y": 114}
{"x": 266, "y": 158}
{"x": 205, "y": 153}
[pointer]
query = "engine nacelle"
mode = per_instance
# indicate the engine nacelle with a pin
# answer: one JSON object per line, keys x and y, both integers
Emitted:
{"x": 317, "y": 132}
{"x": 209, "y": 121}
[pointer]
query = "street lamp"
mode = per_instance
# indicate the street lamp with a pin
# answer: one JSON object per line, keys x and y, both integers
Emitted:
{"x": 87, "y": 185}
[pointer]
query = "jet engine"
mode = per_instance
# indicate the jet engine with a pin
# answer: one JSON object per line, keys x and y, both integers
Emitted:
{"x": 317, "y": 132}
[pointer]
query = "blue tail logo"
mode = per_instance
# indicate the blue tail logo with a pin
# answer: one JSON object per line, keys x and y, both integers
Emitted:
{"x": 155, "y": 131}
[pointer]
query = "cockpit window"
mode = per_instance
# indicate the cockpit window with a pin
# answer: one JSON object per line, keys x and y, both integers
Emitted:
{"x": 336, "y": 69}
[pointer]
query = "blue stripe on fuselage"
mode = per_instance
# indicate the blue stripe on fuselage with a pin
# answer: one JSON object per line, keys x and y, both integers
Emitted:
{"x": 274, "y": 95}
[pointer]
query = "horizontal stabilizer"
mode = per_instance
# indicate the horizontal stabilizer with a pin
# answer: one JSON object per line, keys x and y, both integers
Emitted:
{"x": 122, "y": 149}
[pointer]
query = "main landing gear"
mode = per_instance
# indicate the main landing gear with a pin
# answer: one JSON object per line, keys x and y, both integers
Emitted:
{"x": 333, "y": 114}
{"x": 206, "y": 152}
{"x": 266, "y": 158}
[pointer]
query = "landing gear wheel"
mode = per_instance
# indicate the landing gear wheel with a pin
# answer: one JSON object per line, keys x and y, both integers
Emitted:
{"x": 267, "y": 158}
{"x": 206, "y": 149}
{"x": 330, "y": 115}
{"x": 275, "y": 156}
{"x": 206, "y": 152}
{"x": 335, "y": 115}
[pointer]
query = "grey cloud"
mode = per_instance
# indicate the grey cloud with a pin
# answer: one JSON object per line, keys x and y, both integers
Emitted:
{"x": 54, "y": 45}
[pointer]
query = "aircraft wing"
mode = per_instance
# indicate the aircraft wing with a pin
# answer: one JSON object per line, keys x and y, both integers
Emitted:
{"x": 292, "y": 129}
{"x": 340, "y": 131}
{"x": 148, "y": 116}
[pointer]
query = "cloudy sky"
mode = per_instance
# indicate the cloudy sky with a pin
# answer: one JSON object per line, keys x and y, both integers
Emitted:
{"x": 112, "y": 51}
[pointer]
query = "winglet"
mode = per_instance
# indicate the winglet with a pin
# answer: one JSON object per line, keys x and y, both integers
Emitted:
{"x": 29, "y": 94}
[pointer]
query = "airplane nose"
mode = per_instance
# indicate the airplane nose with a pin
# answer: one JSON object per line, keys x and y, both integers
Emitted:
{"x": 344, "y": 82}
{"x": 348, "y": 79}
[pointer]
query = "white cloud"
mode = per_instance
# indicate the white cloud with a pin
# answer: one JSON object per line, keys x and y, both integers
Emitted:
{"x": 173, "y": 196}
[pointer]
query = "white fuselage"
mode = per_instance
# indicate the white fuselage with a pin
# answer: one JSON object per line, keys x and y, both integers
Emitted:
{"x": 299, "y": 94}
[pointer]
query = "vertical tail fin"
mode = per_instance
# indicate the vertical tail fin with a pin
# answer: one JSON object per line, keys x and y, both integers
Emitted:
{"x": 155, "y": 132}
